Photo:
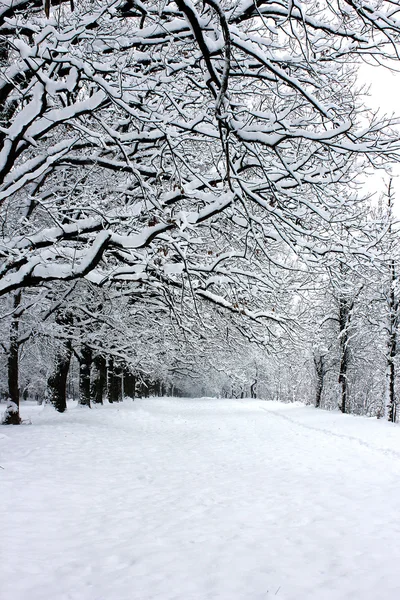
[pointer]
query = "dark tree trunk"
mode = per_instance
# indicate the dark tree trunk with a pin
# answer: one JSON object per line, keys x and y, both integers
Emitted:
{"x": 253, "y": 389}
{"x": 392, "y": 344}
{"x": 319, "y": 362}
{"x": 11, "y": 415}
{"x": 344, "y": 318}
{"x": 129, "y": 384}
{"x": 318, "y": 392}
{"x": 99, "y": 378}
{"x": 85, "y": 364}
{"x": 57, "y": 382}
{"x": 144, "y": 388}
{"x": 110, "y": 379}
{"x": 118, "y": 374}
{"x": 392, "y": 400}
{"x": 114, "y": 381}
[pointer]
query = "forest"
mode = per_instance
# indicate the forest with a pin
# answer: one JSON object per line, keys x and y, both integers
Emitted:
{"x": 185, "y": 204}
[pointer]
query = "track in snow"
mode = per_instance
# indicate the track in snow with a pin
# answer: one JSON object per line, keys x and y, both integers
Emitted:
{"x": 199, "y": 500}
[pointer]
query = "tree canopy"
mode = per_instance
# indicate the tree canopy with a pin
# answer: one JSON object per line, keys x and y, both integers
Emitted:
{"x": 198, "y": 152}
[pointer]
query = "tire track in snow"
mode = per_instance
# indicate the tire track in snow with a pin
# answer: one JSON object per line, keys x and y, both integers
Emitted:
{"x": 386, "y": 451}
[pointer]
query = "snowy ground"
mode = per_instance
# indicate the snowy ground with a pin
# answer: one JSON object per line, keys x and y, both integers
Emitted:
{"x": 199, "y": 500}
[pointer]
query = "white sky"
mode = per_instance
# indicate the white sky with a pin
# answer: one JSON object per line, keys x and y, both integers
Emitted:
{"x": 385, "y": 96}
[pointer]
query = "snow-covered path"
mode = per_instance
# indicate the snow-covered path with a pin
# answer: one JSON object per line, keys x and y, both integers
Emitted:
{"x": 199, "y": 500}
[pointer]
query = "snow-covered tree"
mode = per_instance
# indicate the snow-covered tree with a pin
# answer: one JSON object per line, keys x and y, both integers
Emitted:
{"x": 185, "y": 147}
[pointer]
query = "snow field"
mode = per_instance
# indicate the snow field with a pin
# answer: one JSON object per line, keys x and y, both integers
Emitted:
{"x": 167, "y": 499}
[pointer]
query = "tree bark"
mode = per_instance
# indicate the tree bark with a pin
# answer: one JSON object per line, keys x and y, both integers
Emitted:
{"x": 85, "y": 363}
{"x": 344, "y": 313}
{"x": 110, "y": 379}
{"x": 392, "y": 345}
{"x": 99, "y": 379}
{"x": 117, "y": 382}
{"x": 114, "y": 381}
{"x": 319, "y": 362}
{"x": 11, "y": 415}
{"x": 57, "y": 382}
{"x": 129, "y": 384}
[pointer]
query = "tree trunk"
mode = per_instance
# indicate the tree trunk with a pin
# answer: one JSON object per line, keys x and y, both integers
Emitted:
{"x": 99, "y": 378}
{"x": 392, "y": 400}
{"x": 117, "y": 380}
{"x": 114, "y": 382}
{"x": 11, "y": 415}
{"x": 85, "y": 363}
{"x": 344, "y": 313}
{"x": 319, "y": 363}
{"x": 392, "y": 345}
{"x": 318, "y": 392}
{"x": 110, "y": 379}
{"x": 129, "y": 384}
{"x": 57, "y": 382}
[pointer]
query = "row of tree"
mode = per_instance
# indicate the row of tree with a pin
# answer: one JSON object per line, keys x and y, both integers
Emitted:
{"x": 180, "y": 200}
{"x": 338, "y": 347}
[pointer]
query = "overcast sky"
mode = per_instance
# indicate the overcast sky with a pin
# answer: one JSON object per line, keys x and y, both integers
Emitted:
{"x": 385, "y": 96}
